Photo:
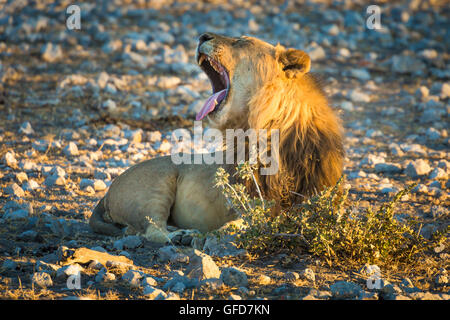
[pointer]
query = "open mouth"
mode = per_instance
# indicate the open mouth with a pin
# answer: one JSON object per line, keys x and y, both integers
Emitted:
{"x": 220, "y": 82}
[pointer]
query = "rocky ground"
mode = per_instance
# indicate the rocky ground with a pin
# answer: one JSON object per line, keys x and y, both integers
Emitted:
{"x": 80, "y": 106}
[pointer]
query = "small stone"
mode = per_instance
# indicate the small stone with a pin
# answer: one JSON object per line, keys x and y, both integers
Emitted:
{"x": 263, "y": 279}
{"x": 42, "y": 279}
{"x": 103, "y": 276}
{"x": 291, "y": 276}
{"x": 345, "y": 290}
{"x": 109, "y": 105}
{"x": 17, "y": 214}
{"x": 54, "y": 180}
{"x": 133, "y": 277}
{"x": 21, "y": 177}
{"x": 69, "y": 270}
{"x": 235, "y": 297}
{"x": 102, "y": 79}
{"x": 201, "y": 266}
{"x": 308, "y": 274}
{"x": 71, "y": 150}
{"x": 51, "y": 52}
{"x": 14, "y": 190}
{"x": 99, "y": 185}
{"x": 317, "y": 53}
{"x": 129, "y": 242}
{"x": 372, "y": 160}
{"x": 432, "y": 134}
{"x": 390, "y": 168}
{"x": 357, "y": 96}
{"x": 233, "y": 277}
{"x": 153, "y": 293}
{"x": 101, "y": 175}
{"x": 29, "y": 235}
{"x": 422, "y": 92}
{"x": 10, "y": 160}
{"x": 171, "y": 296}
{"x": 84, "y": 183}
{"x": 9, "y": 264}
{"x": 179, "y": 287}
{"x": 347, "y": 106}
{"x": 95, "y": 265}
{"x": 154, "y": 136}
{"x": 441, "y": 279}
{"x": 395, "y": 149}
{"x": 417, "y": 168}
{"x": 166, "y": 82}
{"x": 110, "y": 88}
{"x": 149, "y": 281}
{"x": 165, "y": 146}
{"x": 26, "y": 128}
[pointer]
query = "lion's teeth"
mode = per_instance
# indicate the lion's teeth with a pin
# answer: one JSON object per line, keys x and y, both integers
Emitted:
{"x": 201, "y": 59}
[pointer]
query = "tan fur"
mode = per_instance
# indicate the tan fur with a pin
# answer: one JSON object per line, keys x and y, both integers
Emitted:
{"x": 271, "y": 88}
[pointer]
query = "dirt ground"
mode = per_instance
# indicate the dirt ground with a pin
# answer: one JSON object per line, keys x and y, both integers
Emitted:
{"x": 117, "y": 87}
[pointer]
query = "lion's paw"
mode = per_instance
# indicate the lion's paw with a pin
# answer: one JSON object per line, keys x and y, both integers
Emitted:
{"x": 183, "y": 236}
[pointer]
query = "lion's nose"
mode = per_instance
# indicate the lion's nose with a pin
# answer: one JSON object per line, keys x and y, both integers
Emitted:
{"x": 205, "y": 37}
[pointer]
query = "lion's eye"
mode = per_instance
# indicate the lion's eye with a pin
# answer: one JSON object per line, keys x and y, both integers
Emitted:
{"x": 240, "y": 42}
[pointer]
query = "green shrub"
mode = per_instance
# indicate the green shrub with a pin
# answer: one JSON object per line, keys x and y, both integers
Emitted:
{"x": 326, "y": 225}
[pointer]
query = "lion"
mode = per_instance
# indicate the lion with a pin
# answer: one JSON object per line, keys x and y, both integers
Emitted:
{"x": 255, "y": 85}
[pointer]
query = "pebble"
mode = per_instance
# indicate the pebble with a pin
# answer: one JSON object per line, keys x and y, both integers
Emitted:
{"x": 109, "y": 105}
{"x": 69, "y": 270}
{"x": 42, "y": 279}
{"x": 153, "y": 293}
{"x": 14, "y": 190}
{"x": 202, "y": 266}
{"x": 104, "y": 276}
{"x": 132, "y": 277}
{"x": 99, "y": 185}
{"x": 233, "y": 277}
{"x": 148, "y": 281}
{"x": 391, "y": 168}
{"x": 356, "y": 95}
{"x": 51, "y": 52}
{"x": 417, "y": 168}
{"x": 129, "y": 242}
{"x": 71, "y": 150}
{"x": 345, "y": 290}
{"x": 9, "y": 264}
{"x": 9, "y": 159}
{"x": 26, "y": 128}
{"x": 308, "y": 274}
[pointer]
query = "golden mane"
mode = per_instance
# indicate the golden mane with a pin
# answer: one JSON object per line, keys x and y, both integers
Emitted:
{"x": 311, "y": 149}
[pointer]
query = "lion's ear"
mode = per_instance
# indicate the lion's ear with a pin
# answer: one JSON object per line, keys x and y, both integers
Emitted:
{"x": 294, "y": 62}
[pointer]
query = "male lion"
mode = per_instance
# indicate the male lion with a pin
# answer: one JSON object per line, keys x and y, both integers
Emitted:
{"x": 255, "y": 85}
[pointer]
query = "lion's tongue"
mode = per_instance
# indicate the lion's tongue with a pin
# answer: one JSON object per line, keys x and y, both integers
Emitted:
{"x": 211, "y": 103}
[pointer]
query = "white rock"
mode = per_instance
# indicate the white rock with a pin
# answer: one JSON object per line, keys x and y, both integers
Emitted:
{"x": 26, "y": 128}
{"x": 417, "y": 168}
{"x": 234, "y": 277}
{"x": 109, "y": 105}
{"x": 71, "y": 150}
{"x": 14, "y": 190}
{"x": 9, "y": 159}
{"x": 133, "y": 277}
{"x": 357, "y": 96}
{"x": 166, "y": 82}
{"x": 152, "y": 293}
{"x": 51, "y": 52}
{"x": 42, "y": 279}
{"x": 99, "y": 185}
